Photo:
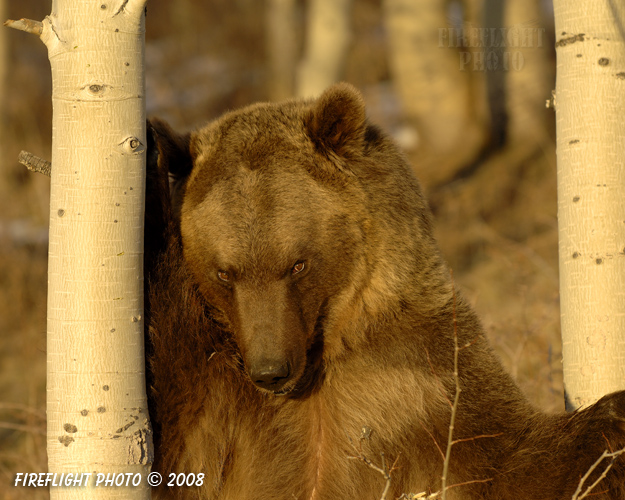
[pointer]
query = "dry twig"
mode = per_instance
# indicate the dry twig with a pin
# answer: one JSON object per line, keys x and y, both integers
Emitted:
{"x": 420, "y": 496}
{"x": 454, "y": 408}
{"x": 34, "y": 163}
{"x": 11, "y": 407}
{"x": 23, "y": 428}
{"x": 613, "y": 456}
{"x": 27, "y": 25}
{"x": 383, "y": 470}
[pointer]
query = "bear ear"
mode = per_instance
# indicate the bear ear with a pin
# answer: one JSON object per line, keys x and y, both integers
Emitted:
{"x": 338, "y": 120}
{"x": 168, "y": 150}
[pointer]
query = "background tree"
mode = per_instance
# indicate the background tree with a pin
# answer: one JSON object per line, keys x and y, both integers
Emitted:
{"x": 4, "y": 65}
{"x": 528, "y": 78}
{"x": 96, "y": 400}
{"x": 589, "y": 101}
{"x": 281, "y": 48}
{"x": 328, "y": 35}
{"x": 433, "y": 76}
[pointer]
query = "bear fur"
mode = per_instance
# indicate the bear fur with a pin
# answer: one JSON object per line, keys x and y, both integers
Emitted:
{"x": 302, "y": 322}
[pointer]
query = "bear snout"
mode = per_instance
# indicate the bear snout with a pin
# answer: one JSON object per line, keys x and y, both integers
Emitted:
{"x": 270, "y": 374}
{"x": 270, "y": 335}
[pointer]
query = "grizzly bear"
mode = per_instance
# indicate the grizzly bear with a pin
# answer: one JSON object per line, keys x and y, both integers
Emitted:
{"x": 304, "y": 329}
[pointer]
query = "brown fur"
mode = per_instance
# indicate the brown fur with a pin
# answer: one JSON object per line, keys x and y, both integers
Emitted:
{"x": 362, "y": 337}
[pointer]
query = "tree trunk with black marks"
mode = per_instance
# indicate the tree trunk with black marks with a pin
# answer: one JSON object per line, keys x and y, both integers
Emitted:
{"x": 96, "y": 396}
{"x": 589, "y": 102}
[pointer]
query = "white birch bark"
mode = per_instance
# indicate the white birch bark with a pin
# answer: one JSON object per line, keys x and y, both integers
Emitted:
{"x": 328, "y": 35}
{"x": 589, "y": 101}
{"x": 96, "y": 400}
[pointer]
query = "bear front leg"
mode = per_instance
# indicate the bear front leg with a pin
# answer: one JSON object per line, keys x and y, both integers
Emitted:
{"x": 601, "y": 431}
{"x": 555, "y": 452}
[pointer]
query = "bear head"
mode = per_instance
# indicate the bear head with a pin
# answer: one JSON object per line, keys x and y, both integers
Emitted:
{"x": 303, "y": 228}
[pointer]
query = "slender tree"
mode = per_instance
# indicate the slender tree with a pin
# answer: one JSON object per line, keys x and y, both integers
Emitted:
{"x": 433, "y": 76}
{"x": 328, "y": 35}
{"x": 589, "y": 101}
{"x": 526, "y": 66}
{"x": 96, "y": 400}
{"x": 4, "y": 66}
{"x": 426, "y": 72}
{"x": 280, "y": 32}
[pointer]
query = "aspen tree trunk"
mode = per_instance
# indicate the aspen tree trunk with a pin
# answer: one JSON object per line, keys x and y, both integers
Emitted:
{"x": 528, "y": 79}
{"x": 589, "y": 101}
{"x": 475, "y": 14}
{"x": 328, "y": 35}
{"x": 426, "y": 69}
{"x": 96, "y": 400}
{"x": 433, "y": 77}
{"x": 4, "y": 66}
{"x": 281, "y": 48}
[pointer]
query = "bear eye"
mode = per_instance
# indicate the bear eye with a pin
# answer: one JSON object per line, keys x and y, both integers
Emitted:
{"x": 223, "y": 275}
{"x": 298, "y": 268}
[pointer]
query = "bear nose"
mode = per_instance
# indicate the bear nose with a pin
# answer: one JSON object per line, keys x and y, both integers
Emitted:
{"x": 270, "y": 375}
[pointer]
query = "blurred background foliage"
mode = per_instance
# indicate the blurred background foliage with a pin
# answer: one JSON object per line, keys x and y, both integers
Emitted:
{"x": 461, "y": 85}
